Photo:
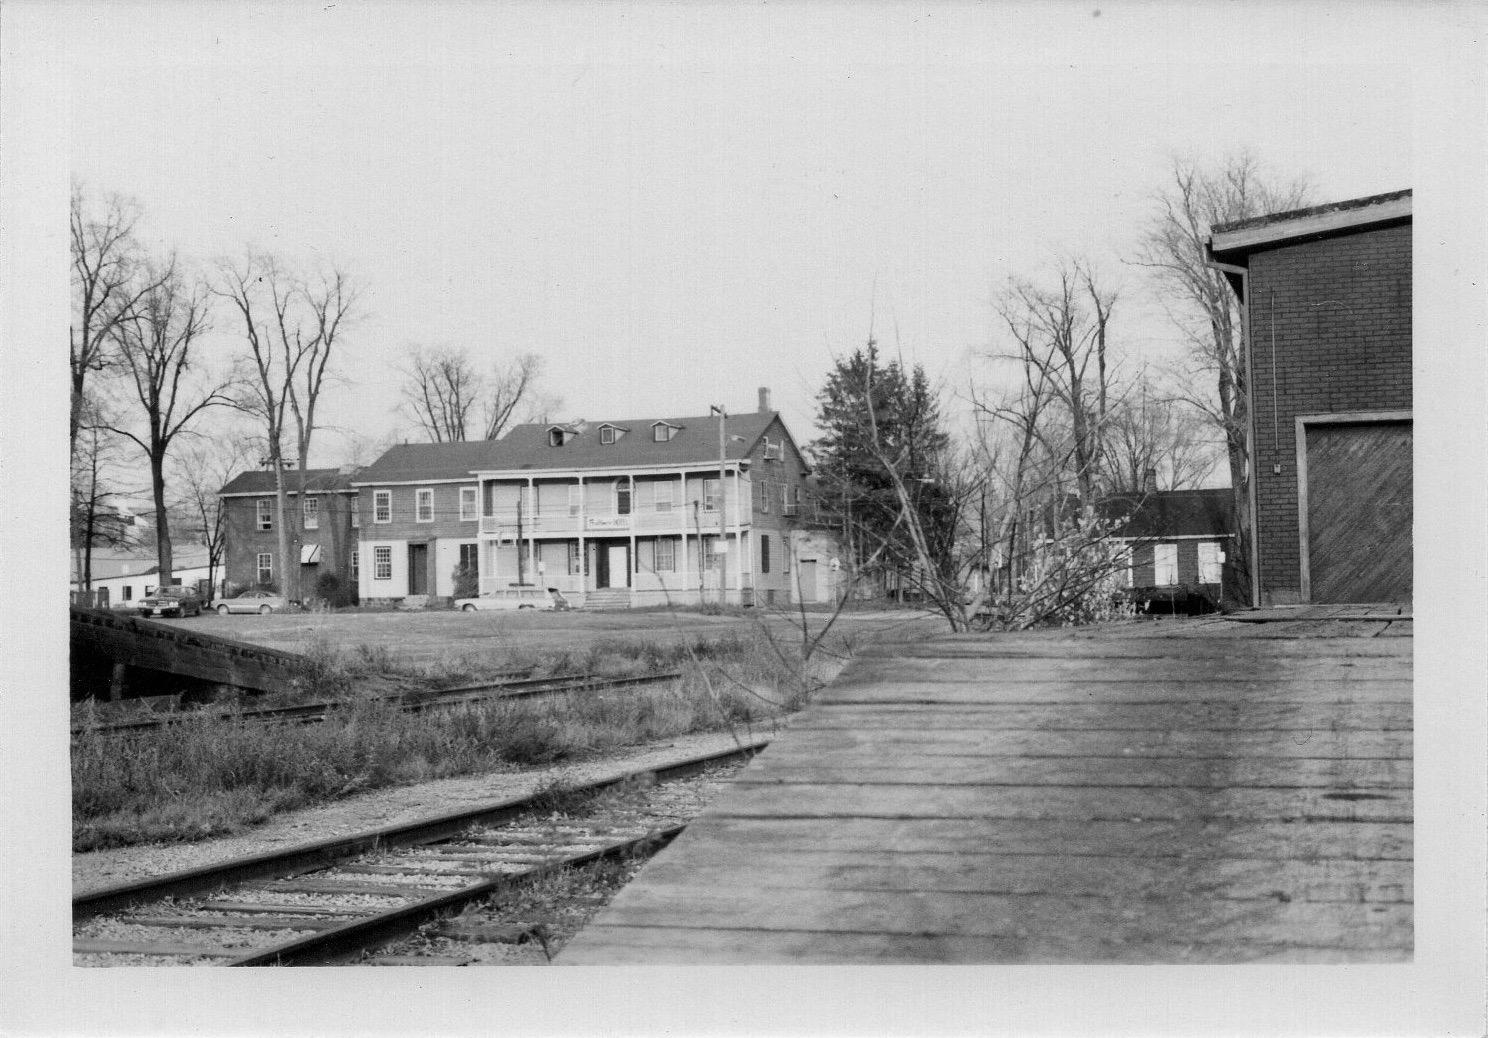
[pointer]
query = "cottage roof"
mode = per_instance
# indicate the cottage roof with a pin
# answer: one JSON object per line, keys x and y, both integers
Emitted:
{"x": 1173, "y": 513}
{"x": 432, "y": 462}
{"x": 1232, "y": 242}
{"x": 694, "y": 441}
{"x": 261, "y": 481}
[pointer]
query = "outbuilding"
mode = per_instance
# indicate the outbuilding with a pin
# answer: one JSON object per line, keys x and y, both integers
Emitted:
{"x": 1326, "y": 293}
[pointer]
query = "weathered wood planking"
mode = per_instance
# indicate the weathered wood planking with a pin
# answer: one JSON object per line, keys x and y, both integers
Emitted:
{"x": 1240, "y": 800}
{"x": 141, "y": 643}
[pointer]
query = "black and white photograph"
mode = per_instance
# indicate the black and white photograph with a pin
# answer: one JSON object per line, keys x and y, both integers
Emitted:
{"x": 805, "y": 518}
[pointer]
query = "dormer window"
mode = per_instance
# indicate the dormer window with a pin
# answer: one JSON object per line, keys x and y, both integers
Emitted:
{"x": 661, "y": 432}
{"x": 610, "y": 433}
{"x": 555, "y": 437}
{"x": 774, "y": 451}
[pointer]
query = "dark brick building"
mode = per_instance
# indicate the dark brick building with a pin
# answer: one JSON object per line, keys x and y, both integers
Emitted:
{"x": 323, "y": 532}
{"x": 1327, "y": 299}
{"x": 1177, "y": 541}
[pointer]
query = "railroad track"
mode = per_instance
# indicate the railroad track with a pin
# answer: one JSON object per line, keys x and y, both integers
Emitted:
{"x": 411, "y": 702}
{"x": 334, "y": 900}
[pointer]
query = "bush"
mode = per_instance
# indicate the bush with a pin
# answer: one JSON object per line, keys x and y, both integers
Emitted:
{"x": 334, "y": 591}
{"x": 467, "y": 585}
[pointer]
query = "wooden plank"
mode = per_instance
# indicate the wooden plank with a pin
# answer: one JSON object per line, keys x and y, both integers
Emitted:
{"x": 1313, "y": 743}
{"x": 190, "y": 951}
{"x": 768, "y": 799}
{"x": 1369, "y": 841}
{"x": 1323, "y": 641}
{"x": 986, "y": 691}
{"x": 1212, "y": 715}
{"x": 602, "y": 944}
{"x": 1357, "y": 511}
{"x": 1218, "y": 672}
{"x": 1198, "y": 772}
{"x": 976, "y": 914}
{"x": 1328, "y": 879}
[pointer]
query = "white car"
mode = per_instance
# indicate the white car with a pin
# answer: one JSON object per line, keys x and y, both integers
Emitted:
{"x": 252, "y": 602}
{"x": 515, "y": 598}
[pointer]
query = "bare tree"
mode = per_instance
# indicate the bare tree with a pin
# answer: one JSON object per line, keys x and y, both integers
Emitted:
{"x": 1061, "y": 330}
{"x": 291, "y": 325}
{"x": 202, "y": 470}
{"x": 158, "y": 353}
{"x": 105, "y": 287}
{"x": 95, "y": 522}
{"x": 510, "y": 386}
{"x": 440, "y": 391}
{"x": 1202, "y": 306}
{"x": 1152, "y": 433}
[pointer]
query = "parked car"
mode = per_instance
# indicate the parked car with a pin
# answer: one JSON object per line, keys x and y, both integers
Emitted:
{"x": 253, "y": 602}
{"x": 515, "y": 598}
{"x": 177, "y": 600}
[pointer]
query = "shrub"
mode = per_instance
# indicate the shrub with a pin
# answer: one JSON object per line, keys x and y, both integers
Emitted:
{"x": 334, "y": 591}
{"x": 467, "y": 585}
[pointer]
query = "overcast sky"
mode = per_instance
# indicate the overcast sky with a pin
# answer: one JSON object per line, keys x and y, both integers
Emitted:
{"x": 674, "y": 209}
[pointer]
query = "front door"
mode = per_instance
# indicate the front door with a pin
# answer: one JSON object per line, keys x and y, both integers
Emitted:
{"x": 418, "y": 569}
{"x": 617, "y": 569}
{"x": 807, "y": 577}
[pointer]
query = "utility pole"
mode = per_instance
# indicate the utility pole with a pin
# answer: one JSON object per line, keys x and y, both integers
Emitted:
{"x": 722, "y": 495}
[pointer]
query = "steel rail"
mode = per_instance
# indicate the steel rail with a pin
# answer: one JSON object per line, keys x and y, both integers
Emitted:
{"x": 338, "y": 943}
{"x": 413, "y": 702}
{"x": 318, "y": 854}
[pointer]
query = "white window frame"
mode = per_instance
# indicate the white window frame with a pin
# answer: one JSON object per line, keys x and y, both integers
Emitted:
{"x": 711, "y": 494}
{"x": 623, "y": 486}
{"x": 1210, "y": 567}
{"x": 356, "y": 513}
{"x": 382, "y": 506}
{"x": 469, "y": 504}
{"x": 420, "y": 496}
{"x": 575, "y": 559}
{"x": 790, "y": 503}
{"x": 382, "y": 562}
{"x": 666, "y": 555}
{"x": 575, "y": 499}
{"x": 265, "y": 513}
{"x": 310, "y": 513}
{"x": 1164, "y": 557}
{"x": 762, "y": 498}
{"x": 356, "y": 566}
{"x": 265, "y": 564}
{"x": 608, "y": 434}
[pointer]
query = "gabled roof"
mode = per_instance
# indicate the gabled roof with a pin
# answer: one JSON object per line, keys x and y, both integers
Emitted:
{"x": 695, "y": 442}
{"x": 1172, "y": 513}
{"x": 261, "y": 481}
{"x": 432, "y": 462}
{"x": 1231, "y": 242}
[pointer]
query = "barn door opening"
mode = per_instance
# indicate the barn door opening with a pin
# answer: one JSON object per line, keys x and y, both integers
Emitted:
{"x": 1356, "y": 513}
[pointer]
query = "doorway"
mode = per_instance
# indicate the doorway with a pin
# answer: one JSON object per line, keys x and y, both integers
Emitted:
{"x": 614, "y": 566}
{"x": 418, "y": 569}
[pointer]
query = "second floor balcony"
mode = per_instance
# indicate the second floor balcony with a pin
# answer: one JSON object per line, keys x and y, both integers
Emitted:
{"x": 508, "y": 523}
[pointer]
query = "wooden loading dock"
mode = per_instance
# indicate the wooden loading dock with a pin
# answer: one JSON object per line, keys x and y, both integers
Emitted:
{"x": 1200, "y": 791}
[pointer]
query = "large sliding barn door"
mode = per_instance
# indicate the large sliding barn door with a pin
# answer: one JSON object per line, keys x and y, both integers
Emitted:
{"x": 1358, "y": 511}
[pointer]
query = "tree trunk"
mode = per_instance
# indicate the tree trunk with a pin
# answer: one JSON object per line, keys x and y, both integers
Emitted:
{"x": 164, "y": 562}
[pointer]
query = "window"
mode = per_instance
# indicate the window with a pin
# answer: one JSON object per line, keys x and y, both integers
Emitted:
{"x": 356, "y": 514}
{"x": 1124, "y": 566}
{"x": 265, "y": 514}
{"x": 711, "y": 554}
{"x": 382, "y": 507}
{"x": 762, "y": 495}
{"x": 356, "y": 565}
{"x": 423, "y": 510}
{"x": 265, "y": 567}
{"x": 608, "y": 434}
{"x": 664, "y": 495}
{"x": 555, "y": 437}
{"x": 622, "y": 497}
{"x": 1165, "y": 564}
{"x": 666, "y": 555}
{"x": 764, "y": 554}
{"x": 382, "y": 562}
{"x": 128, "y": 592}
{"x": 311, "y": 512}
{"x": 469, "y": 506}
{"x": 790, "y": 499}
{"x": 710, "y": 495}
{"x": 469, "y": 557}
{"x": 575, "y": 560}
{"x": 1209, "y": 562}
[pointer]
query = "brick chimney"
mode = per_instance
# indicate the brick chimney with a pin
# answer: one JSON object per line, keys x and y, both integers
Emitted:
{"x": 764, "y": 399}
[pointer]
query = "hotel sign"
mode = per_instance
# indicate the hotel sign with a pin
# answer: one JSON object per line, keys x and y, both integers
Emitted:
{"x": 607, "y": 522}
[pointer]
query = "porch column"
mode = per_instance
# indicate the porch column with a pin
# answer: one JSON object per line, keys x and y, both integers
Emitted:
{"x": 579, "y": 521}
{"x": 738, "y": 533}
{"x": 682, "y": 527}
{"x": 631, "y": 562}
{"x": 531, "y": 528}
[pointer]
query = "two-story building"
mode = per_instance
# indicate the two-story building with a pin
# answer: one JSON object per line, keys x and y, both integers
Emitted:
{"x": 1326, "y": 294}
{"x": 322, "y": 528}
{"x": 419, "y": 520}
{"x": 645, "y": 511}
